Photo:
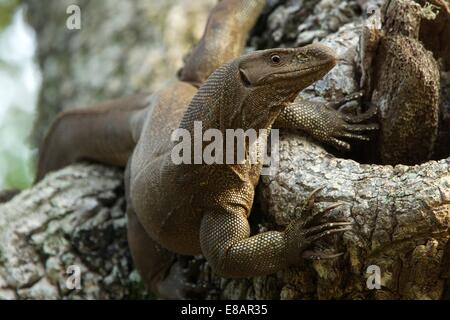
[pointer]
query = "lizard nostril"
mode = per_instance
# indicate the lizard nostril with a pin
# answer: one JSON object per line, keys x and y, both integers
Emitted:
{"x": 302, "y": 57}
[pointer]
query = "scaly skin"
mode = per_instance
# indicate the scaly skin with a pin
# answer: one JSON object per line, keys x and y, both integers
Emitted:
{"x": 88, "y": 134}
{"x": 203, "y": 209}
{"x": 211, "y": 219}
{"x": 224, "y": 38}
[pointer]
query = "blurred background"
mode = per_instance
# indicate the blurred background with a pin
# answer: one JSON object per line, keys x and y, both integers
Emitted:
{"x": 19, "y": 86}
{"x": 122, "y": 47}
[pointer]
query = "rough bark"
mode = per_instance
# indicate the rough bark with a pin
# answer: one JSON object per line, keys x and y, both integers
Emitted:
{"x": 73, "y": 218}
{"x": 401, "y": 213}
{"x": 123, "y": 47}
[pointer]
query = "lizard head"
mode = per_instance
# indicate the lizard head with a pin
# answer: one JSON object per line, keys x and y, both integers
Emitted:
{"x": 286, "y": 69}
{"x": 271, "y": 79}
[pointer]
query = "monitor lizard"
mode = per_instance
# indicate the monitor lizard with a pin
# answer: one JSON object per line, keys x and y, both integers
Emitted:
{"x": 203, "y": 209}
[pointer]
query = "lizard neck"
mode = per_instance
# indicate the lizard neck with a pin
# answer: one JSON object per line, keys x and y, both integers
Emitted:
{"x": 223, "y": 103}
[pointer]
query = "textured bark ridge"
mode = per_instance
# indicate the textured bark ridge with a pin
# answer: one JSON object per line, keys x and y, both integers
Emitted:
{"x": 409, "y": 98}
{"x": 401, "y": 217}
{"x": 73, "y": 218}
{"x": 123, "y": 47}
{"x": 400, "y": 213}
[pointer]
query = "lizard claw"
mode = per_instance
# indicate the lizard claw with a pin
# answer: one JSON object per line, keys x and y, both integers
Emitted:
{"x": 330, "y": 125}
{"x": 327, "y": 227}
{"x": 308, "y": 204}
{"x": 322, "y": 234}
{"x": 339, "y": 144}
{"x": 306, "y": 230}
{"x": 307, "y": 216}
{"x": 350, "y": 126}
{"x": 319, "y": 215}
{"x": 327, "y": 123}
{"x": 369, "y": 114}
{"x": 348, "y": 98}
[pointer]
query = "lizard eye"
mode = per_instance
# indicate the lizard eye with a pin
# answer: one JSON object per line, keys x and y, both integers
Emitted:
{"x": 276, "y": 59}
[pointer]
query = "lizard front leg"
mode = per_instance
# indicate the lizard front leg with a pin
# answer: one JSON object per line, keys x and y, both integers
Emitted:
{"x": 227, "y": 245}
{"x": 323, "y": 122}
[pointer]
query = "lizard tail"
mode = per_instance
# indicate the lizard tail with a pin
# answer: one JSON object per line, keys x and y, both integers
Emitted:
{"x": 105, "y": 133}
{"x": 223, "y": 40}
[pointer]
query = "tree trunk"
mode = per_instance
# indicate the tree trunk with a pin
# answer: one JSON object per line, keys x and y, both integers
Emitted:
{"x": 75, "y": 218}
{"x": 400, "y": 213}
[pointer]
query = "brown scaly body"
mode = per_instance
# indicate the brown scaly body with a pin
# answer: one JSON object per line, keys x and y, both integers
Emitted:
{"x": 203, "y": 209}
{"x": 212, "y": 217}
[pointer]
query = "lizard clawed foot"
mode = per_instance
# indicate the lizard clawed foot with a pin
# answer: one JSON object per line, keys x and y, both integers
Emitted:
{"x": 327, "y": 123}
{"x": 308, "y": 229}
{"x": 315, "y": 217}
{"x": 348, "y": 98}
{"x": 350, "y": 126}
{"x": 308, "y": 204}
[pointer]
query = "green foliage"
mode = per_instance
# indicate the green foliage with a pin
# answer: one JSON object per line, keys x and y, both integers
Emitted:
{"x": 18, "y": 176}
{"x": 16, "y": 161}
{"x": 7, "y": 8}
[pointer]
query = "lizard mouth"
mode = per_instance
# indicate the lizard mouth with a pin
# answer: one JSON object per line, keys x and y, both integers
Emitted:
{"x": 320, "y": 70}
{"x": 325, "y": 67}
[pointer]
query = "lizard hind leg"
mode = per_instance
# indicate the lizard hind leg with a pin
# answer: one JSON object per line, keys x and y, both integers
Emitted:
{"x": 151, "y": 260}
{"x": 157, "y": 266}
